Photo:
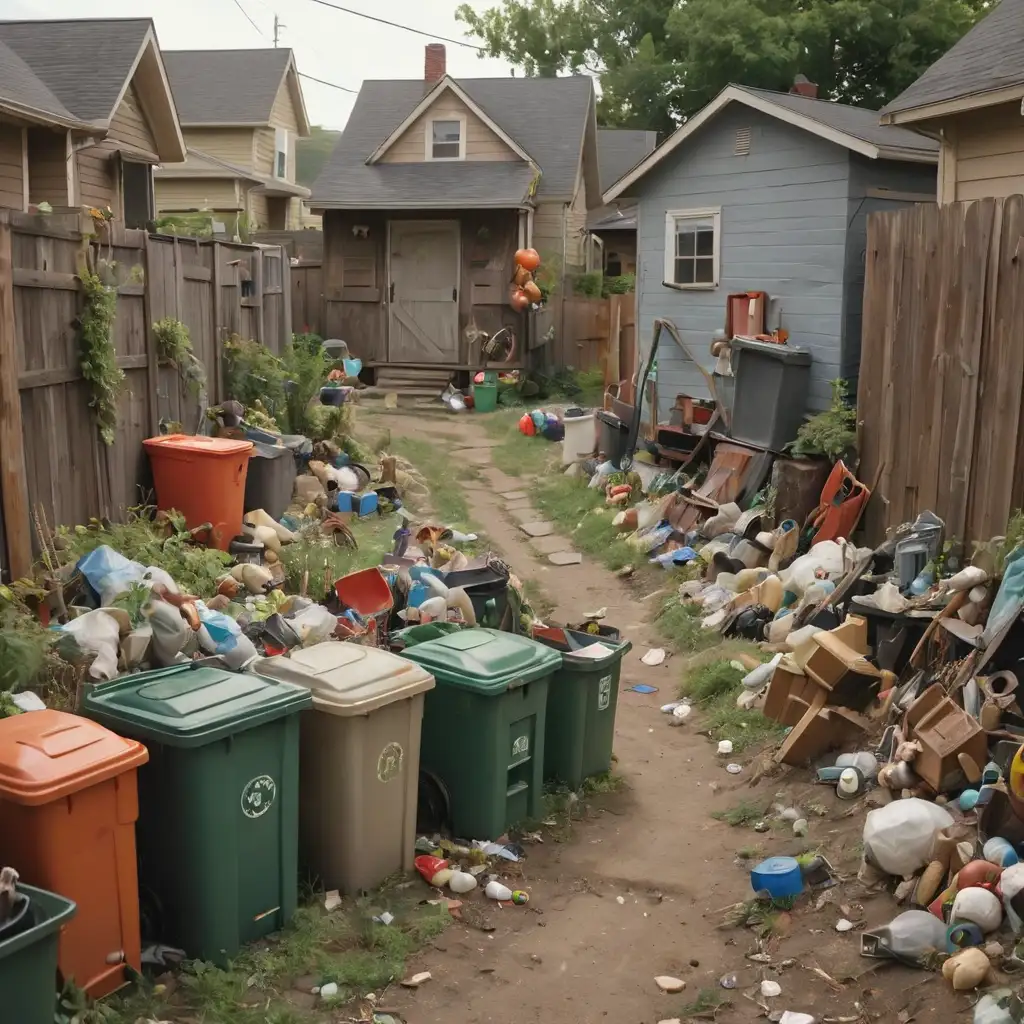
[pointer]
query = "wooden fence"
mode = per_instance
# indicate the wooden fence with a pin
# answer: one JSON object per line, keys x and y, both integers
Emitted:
{"x": 53, "y": 460}
{"x": 942, "y": 366}
{"x": 308, "y": 297}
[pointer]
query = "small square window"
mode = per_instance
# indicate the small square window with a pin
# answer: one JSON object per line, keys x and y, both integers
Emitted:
{"x": 692, "y": 248}
{"x": 446, "y": 140}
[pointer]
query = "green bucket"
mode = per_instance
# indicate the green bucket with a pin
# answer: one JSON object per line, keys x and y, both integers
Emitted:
{"x": 485, "y": 397}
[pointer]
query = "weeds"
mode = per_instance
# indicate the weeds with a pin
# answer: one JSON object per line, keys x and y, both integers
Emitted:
{"x": 743, "y": 814}
{"x": 680, "y": 624}
{"x": 707, "y": 1003}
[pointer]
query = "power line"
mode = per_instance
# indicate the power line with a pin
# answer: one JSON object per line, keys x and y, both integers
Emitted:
{"x": 238, "y": 4}
{"x": 395, "y": 24}
{"x": 343, "y": 88}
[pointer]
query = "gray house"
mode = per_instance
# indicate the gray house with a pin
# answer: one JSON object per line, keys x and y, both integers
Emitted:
{"x": 765, "y": 191}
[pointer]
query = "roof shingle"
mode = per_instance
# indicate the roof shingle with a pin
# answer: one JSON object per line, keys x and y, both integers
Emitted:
{"x": 989, "y": 57}
{"x": 546, "y": 117}
{"x": 225, "y": 86}
{"x": 83, "y": 63}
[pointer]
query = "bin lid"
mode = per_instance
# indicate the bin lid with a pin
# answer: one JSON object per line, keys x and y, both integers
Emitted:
{"x": 611, "y": 420}
{"x": 485, "y": 660}
{"x": 196, "y": 444}
{"x": 47, "y": 755}
{"x": 349, "y": 679}
{"x": 783, "y": 353}
{"x": 191, "y": 705}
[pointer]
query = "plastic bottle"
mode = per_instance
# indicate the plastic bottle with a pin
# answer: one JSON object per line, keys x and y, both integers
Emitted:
{"x": 1000, "y": 852}
{"x": 909, "y": 936}
{"x": 994, "y": 1007}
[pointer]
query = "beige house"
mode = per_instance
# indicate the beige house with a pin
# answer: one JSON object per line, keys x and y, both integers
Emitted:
{"x": 432, "y": 187}
{"x": 241, "y": 112}
{"x": 85, "y": 113}
{"x": 972, "y": 101}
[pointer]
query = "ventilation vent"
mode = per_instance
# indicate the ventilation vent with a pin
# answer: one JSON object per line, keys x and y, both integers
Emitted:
{"x": 742, "y": 142}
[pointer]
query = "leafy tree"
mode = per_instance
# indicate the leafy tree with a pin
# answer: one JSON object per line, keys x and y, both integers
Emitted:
{"x": 312, "y": 154}
{"x": 660, "y": 61}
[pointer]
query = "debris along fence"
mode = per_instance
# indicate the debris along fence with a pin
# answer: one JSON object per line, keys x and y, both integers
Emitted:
{"x": 588, "y": 333}
{"x": 942, "y": 366}
{"x": 52, "y": 457}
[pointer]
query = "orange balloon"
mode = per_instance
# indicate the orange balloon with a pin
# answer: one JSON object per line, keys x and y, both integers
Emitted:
{"x": 528, "y": 258}
{"x": 523, "y": 276}
{"x": 532, "y": 292}
{"x": 520, "y": 300}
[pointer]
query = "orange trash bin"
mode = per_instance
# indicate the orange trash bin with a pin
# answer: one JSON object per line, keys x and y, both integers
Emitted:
{"x": 68, "y": 804}
{"x": 204, "y": 479}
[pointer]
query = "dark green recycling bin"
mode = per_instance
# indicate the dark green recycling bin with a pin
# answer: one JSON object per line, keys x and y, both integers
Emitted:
{"x": 582, "y": 699}
{"x": 483, "y": 726}
{"x": 217, "y": 833}
{"x": 28, "y": 956}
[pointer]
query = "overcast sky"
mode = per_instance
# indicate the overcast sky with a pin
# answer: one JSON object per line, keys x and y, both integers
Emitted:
{"x": 328, "y": 44}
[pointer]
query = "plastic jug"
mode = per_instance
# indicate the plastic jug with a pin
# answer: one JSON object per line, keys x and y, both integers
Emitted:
{"x": 908, "y": 938}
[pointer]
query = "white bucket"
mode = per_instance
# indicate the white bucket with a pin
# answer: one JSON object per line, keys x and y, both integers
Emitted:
{"x": 580, "y": 438}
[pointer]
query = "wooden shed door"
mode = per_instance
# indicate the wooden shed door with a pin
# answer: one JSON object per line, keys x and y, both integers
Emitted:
{"x": 424, "y": 291}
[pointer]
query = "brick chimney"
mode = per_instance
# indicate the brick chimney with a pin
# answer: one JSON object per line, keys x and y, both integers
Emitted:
{"x": 802, "y": 86}
{"x": 435, "y": 64}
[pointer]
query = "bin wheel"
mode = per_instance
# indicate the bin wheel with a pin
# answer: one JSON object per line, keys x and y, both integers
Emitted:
{"x": 434, "y": 805}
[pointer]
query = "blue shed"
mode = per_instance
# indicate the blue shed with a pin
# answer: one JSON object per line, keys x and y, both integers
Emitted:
{"x": 766, "y": 191}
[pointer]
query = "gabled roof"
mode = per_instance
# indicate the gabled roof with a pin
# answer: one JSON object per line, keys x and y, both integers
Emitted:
{"x": 233, "y": 88}
{"x": 854, "y": 128}
{"x": 82, "y": 69}
{"x": 547, "y": 119}
{"x": 985, "y": 67}
{"x": 200, "y": 164}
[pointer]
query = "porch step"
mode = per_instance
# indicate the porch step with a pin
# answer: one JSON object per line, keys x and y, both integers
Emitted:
{"x": 406, "y": 380}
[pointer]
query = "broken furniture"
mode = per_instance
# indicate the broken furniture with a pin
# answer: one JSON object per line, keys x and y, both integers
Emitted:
{"x": 944, "y": 732}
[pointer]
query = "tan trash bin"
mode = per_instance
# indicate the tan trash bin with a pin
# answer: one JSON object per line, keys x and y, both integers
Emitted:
{"x": 359, "y": 761}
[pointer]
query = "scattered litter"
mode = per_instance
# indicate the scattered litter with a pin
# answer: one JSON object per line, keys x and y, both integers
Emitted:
{"x": 416, "y": 980}
{"x": 621, "y": 900}
{"x": 771, "y": 989}
{"x": 499, "y": 892}
{"x": 728, "y": 981}
{"x": 734, "y": 769}
{"x": 329, "y": 991}
{"x": 655, "y": 656}
{"x": 332, "y": 900}
{"x": 842, "y": 925}
{"x": 642, "y": 688}
{"x": 725, "y": 747}
{"x": 793, "y": 1017}
{"x": 669, "y": 984}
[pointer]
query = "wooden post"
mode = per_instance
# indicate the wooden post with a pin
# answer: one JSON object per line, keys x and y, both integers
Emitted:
{"x": 218, "y": 371}
{"x": 257, "y": 288}
{"x": 13, "y": 479}
{"x": 152, "y": 361}
{"x": 286, "y": 300}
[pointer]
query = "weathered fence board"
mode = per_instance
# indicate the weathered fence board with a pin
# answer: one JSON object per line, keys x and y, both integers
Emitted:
{"x": 53, "y": 460}
{"x": 942, "y": 366}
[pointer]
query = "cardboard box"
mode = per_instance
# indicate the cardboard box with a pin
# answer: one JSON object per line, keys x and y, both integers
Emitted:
{"x": 790, "y": 693}
{"x": 852, "y": 681}
{"x": 944, "y": 730}
{"x": 820, "y": 730}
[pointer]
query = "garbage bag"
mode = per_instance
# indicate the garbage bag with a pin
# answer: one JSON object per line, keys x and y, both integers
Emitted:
{"x": 314, "y": 624}
{"x": 219, "y": 632}
{"x": 898, "y": 838}
{"x": 99, "y": 634}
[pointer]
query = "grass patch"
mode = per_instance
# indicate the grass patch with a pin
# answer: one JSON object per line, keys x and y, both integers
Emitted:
{"x": 715, "y": 687}
{"x": 517, "y": 454}
{"x": 707, "y": 1003}
{"x": 325, "y": 562}
{"x": 345, "y": 946}
{"x": 742, "y": 815}
{"x": 442, "y": 475}
{"x": 680, "y": 624}
{"x": 538, "y": 598}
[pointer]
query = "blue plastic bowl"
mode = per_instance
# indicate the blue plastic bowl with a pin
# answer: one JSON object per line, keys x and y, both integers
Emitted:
{"x": 779, "y": 877}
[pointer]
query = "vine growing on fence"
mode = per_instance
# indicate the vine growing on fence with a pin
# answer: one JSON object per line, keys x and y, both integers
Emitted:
{"x": 174, "y": 346}
{"x": 96, "y": 354}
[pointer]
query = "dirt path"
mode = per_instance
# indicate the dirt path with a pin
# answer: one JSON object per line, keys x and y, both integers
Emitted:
{"x": 639, "y": 888}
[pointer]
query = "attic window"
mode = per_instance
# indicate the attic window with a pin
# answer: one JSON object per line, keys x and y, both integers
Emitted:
{"x": 280, "y": 153}
{"x": 742, "y": 142}
{"x": 446, "y": 139}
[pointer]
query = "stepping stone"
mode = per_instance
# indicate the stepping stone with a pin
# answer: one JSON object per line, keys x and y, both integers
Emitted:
{"x": 548, "y": 545}
{"x": 482, "y": 442}
{"x": 565, "y": 558}
{"x": 538, "y": 528}
{"x": 515, "y": 496}
{"x": 523, "y": 514}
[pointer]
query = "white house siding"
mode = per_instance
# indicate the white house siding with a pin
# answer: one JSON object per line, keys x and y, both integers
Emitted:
{"x": 783, "y": 231}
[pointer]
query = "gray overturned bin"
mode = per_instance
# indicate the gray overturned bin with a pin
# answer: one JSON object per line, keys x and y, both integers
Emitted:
{"x": 770, "y": 395}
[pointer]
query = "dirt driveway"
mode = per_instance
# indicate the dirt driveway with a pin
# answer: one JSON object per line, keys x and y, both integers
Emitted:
{"x": 639, "y": 888}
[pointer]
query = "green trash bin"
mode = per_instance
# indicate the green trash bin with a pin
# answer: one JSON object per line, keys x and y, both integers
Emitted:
{"x": 582, "y": 699}
{"x": 28, "y": 956}
{"x": 483, "y": 726}
{"x": 217, "y": 832}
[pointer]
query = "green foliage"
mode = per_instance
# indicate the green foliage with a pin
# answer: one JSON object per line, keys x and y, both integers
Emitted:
{"x": 174, "y": 345}
{"x": 743, "y": 814}
{"x": 96, "y": 354}
{"x": 312, "y": 154}
{"x": 253, "y": 374}
{"x": 306, "y": 365}
{"x": 624, "y": 284}
{"x": 832, "y": 433}
{"x": 660, "y": 61}
{"x": 589, "y": 285}
{"x": 194, "y": 567}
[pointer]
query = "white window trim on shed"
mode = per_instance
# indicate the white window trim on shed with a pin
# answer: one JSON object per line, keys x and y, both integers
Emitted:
{"x": 281, "y": 141}
{"x": 672, "y": 218}
{"x": 429, "y": 138}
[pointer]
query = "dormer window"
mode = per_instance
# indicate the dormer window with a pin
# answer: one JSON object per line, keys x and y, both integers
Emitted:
{"x": 446, "y": 139}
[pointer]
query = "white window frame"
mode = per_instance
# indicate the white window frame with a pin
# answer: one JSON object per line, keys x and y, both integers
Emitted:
{"x": 429, "y": 138}
{"x": 281, "y": 141}
{"x": 672, "y": 217}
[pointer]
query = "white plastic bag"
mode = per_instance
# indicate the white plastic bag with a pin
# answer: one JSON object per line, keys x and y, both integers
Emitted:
{"x": 314, "y": 624}
{"x": 898, "y": 838}
{"x": 98, "y": 634}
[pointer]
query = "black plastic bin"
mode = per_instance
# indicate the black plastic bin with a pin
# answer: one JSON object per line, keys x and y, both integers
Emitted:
{"x": 613, "y": 436}
{"x": 770, "y": 395}
{"x": 271, "y": 479}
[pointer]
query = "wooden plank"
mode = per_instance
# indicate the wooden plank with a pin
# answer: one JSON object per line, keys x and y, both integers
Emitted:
{"x": 196, "y": 272}
{"x": 217, "y": 370}
{"x": 69, "y": 374}
{"x": 152, "y": 367}
{"x": 286, "y": 301}
{"x": 51, "y": 279}
{"x": 257, "y": 277}
{"x": 13, "y": 476}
